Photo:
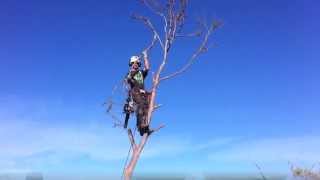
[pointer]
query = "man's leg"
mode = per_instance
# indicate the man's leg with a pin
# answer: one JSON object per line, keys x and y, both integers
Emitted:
{"x": 145, "y": 106}
{"x": 139, "y": 115}
{"x": 141, "y": 101}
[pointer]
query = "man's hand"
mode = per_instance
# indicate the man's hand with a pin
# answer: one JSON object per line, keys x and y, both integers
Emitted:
{"x": 146, "y": 61}
{"x": 145, "y": 53}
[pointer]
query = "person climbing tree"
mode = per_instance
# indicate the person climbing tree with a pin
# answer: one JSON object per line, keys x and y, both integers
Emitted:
{"x": 172, "y": 16}
{"x": 137, "y": 100}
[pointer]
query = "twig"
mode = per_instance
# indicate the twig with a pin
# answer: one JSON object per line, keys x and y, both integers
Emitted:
{"x": 159, "y": 11}
{"x": 153, "y": 42}
{"x": 152, "y": 6}
{"x": 194, "y": 34}
{"x": 157, "y": 129}
{"x": 202, "y": 48}
{"x": 116, "y": 121}
{"x": 148, "y": 23}
{"x": 157, "y": 106}
{"x": 260, "y": 171}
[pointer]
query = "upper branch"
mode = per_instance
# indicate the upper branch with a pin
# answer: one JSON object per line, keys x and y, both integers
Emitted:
{"x": 154, "y": 6}
{"x": 193, "y": 34}
{"x": 181, "y": 15}
{"x": 158, "y": 9}
{"x": 154, "y": 40}
{"x": 174, "y": 19}
{"x": 148, "y": 23}
{"x": 202, "y": 48}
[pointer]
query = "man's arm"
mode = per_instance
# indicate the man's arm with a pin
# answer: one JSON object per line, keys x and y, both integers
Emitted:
{"x": 146, "y": 63}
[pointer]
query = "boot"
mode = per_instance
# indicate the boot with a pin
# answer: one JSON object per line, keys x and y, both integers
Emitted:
{"x": 143, "y": 130}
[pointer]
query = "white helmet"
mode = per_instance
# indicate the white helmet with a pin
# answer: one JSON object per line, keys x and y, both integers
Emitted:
{"x": 134, "y": 59}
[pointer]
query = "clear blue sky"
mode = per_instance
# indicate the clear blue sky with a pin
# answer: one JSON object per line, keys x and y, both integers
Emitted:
{"x": 254, "y": 97}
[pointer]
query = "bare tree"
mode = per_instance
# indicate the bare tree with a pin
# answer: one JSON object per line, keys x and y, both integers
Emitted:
{"x": 305, "y": 173}
{"x": 172, "y": 15}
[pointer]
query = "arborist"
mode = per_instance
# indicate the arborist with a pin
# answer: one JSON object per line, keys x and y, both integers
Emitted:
{"x": 138, "y": 97}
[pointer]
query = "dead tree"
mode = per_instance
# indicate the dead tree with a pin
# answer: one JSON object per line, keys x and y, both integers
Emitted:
{"x": 172, "y": 15}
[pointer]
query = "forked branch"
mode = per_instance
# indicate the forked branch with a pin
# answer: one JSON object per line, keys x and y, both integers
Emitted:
{"x": 202, "y": 48}
{"x": 153, "y": 42}
{"x": 148, "y": 23}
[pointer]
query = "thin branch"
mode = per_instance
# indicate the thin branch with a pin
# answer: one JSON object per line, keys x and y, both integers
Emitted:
{"x": 116, "y": 121}
{"x": 202, "y": 27}
{"x": 157, "y": 106}
{"x": 194, "y": 34}
{"x": 181, "y": 15}
{"x": 153, "y": 77}
{"x": 159, "y": 10}
{"x": 153, "y": 42}
{"x": 118, "y": 125}
{"x": 148, "y": 23}
{"x": 165, "y": 23}
{"x": 174, "y": 20}
{"x": 169, "y": 37}
{"x": 156, "y": 129}
{"x": 202, "y": 48}
{"x": 132, "y": 141}
{"x": 110, "y": 104}
{"x": 260, "y": 171}
{"x": 153, "y": 6}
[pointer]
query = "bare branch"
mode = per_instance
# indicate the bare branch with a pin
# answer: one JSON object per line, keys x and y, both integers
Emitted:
{"x": 154, "y": 6}
{"x": 131, "y": 138}
{"x": 174, "y": 20}
{"x": 260, "y": 171}
{"x": 181, "y": 15}
{"x": 165, "y": 23}
{"x": 153, "y": 42}
{"x": 156, "y": 129}
{"x": 202, "y": 27}
{"x": 157, "y": 106}
{"x": 116, "y": 121}
{"x": 148, "y": 23}
{"x": 194, "y": 34}
{"x": 169, "y": 37}
{"x": 110, "y": 104}
{"x": 202, "y": 48}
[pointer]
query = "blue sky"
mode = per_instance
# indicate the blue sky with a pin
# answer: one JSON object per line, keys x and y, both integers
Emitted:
{"x": 251, "y": 98}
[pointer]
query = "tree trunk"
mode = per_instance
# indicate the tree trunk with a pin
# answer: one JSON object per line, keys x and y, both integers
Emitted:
{"x": 136, "y": 151}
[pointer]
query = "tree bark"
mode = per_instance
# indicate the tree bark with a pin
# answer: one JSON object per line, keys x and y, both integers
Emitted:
{"x": 136, "y": 151}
